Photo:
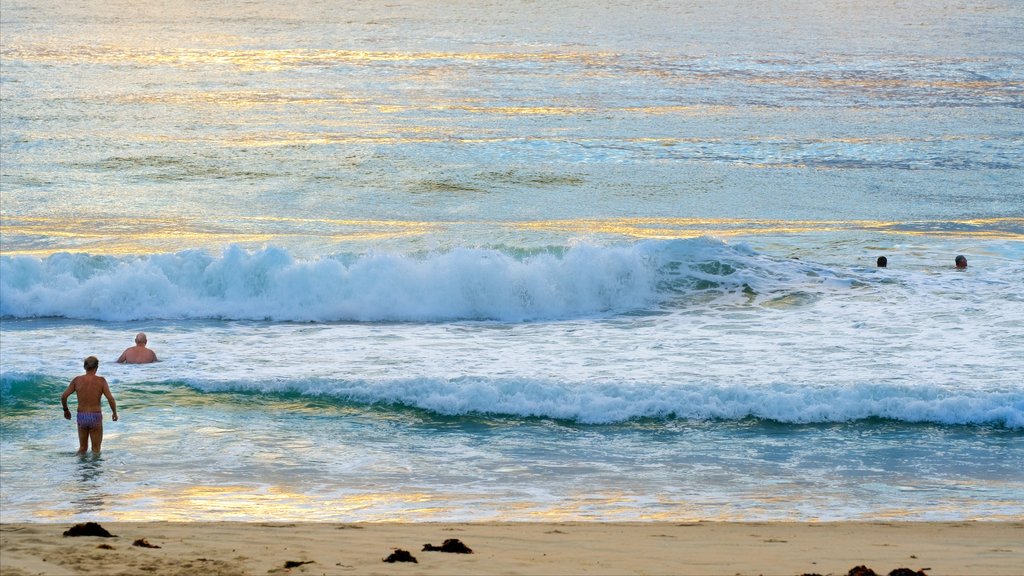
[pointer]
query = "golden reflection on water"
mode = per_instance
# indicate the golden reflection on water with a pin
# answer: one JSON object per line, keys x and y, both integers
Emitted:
{"x": 594, "y": 64}
{"x": 124, "y": 236}
{"x": 266, "y": 97}
{"x": 681, "y": 228}
{"x": 618, "y": 506}
{"x": 245, "y": 502}
{"x": 232, "y": 502}
{"x": 269, "y": 60}
{"x": 951, "y": 509}
{"x": 242, "y": 502}
{"x": 369, "y": 131}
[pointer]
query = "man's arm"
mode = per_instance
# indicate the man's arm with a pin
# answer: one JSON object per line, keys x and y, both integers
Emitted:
{"x": 110, "y": 400}
{"x": 123, "y": 358}
{"x": 64, "y": 398}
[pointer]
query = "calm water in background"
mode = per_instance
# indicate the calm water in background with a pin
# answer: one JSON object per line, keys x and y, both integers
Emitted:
{"x": 432, "y": 261}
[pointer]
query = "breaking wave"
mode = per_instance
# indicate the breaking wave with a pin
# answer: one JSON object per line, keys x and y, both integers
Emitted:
{"x": 460, "y": 284}
{"x": 611, "y": 403}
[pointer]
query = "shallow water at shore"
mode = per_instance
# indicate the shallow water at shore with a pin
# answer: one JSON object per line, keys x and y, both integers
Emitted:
{"x": 290, "y": 457}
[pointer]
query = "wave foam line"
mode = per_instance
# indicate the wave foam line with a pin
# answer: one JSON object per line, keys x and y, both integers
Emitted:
{"x": 614, "y": 403}
{"x": 610, "y": 403}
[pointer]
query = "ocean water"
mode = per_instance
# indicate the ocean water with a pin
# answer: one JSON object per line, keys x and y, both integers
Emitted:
{"x": 515, "y": 260}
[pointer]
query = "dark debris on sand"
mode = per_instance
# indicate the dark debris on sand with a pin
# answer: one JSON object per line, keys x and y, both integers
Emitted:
{"x": 88, "y": 529}
{"x": 400, "y": 555}
{"x": 865, "y": 571}
{"x": 296, "y": 563}
{"x": 452, "y": 545}
{"x": 143, "y": 543}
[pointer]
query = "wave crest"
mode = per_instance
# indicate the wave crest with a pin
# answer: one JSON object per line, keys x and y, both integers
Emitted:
{"x": 461, "y": 284}
{"x": 610, "y": 403}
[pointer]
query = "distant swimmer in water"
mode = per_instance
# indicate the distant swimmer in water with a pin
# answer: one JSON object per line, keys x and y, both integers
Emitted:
{"x": 88, "y": 388}
{"x": 882, "y": 262}
{"x": 138, "y": 354}
{"x": 961, "y": 262}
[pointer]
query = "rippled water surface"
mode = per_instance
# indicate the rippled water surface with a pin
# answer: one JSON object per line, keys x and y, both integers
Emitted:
{"x": 517, "y": 260}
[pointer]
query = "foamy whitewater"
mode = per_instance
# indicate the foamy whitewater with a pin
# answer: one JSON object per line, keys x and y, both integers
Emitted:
{"x": 469, "y": 261}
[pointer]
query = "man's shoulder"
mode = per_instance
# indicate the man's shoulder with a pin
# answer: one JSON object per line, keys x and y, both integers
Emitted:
{"x": 136, "y": 355}
{"x": 88, "y": 382}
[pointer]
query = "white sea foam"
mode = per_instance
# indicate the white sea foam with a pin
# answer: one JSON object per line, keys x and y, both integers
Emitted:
{"x": 271, "y": 284}
{"x": 459, "y": 284}
{"x": 611, "y": 403}
{"x": 464, "y": 283}
{"x": 608, "y": 403}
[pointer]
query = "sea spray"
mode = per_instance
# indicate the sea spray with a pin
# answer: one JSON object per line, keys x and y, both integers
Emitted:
{"x": 463, "y": 283}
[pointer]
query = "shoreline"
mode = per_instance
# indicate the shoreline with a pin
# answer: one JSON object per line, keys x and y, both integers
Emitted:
{"x": 683, "y": 548}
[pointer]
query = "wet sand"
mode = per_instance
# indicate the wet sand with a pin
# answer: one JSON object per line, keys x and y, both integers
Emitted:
{"x": 699, "y": 548}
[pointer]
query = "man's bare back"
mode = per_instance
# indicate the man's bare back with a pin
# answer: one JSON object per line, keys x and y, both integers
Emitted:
{"x": 88, "y": 388}
{"x": 138, "y": 354}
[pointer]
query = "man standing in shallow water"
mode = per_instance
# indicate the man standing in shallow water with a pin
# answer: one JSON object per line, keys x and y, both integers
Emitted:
{"x": 88, "y": 388}
{"x": 137, "y": 354}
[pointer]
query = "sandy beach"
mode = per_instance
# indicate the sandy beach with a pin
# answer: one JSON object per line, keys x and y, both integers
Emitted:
{"x": 699, "y": 548}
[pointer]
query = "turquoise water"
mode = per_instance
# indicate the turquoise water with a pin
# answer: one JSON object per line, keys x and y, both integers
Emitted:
{"x": 513, "y": 261}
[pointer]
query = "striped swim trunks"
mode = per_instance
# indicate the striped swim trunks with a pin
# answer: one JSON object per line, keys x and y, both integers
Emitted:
{"x": 90, "y": 420}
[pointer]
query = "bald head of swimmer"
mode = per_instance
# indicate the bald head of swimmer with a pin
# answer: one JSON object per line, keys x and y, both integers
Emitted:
{"x": 138, "y": 354}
